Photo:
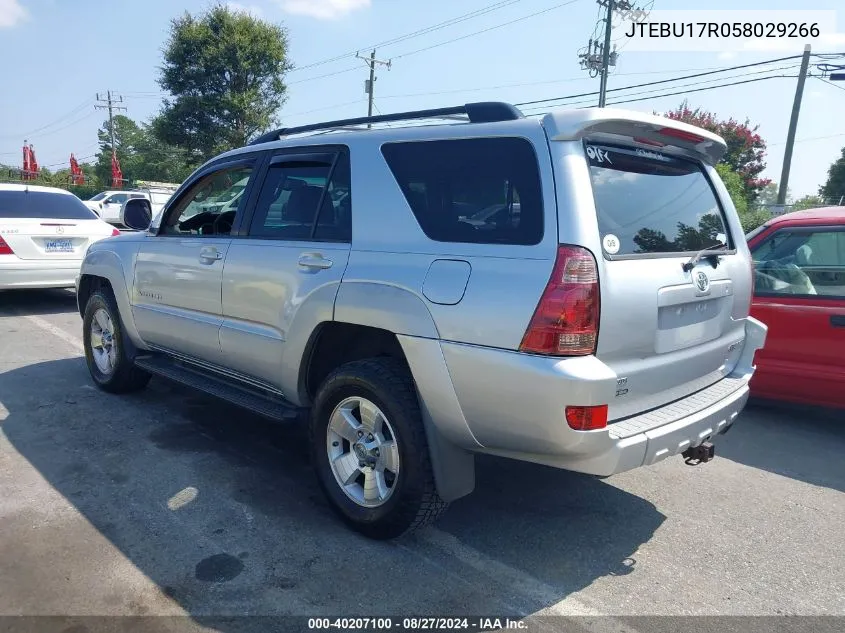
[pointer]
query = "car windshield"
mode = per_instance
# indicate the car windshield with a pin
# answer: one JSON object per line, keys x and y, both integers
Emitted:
{"x": 99, "y": 196}
{"x": 43, "y": 205}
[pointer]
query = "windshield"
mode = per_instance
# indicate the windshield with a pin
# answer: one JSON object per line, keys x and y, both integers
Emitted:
{"x": 43, "y": 205}
{"x": 648, "y": 202}
{"x": 99, "y": 196}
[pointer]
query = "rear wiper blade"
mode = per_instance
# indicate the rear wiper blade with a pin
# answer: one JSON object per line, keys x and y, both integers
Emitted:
{"x": 689, "y": 265}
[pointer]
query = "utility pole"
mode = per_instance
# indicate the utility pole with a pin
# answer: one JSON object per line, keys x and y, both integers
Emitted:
{"x": 109, "y": 104}
{"x": 369, "y": 84}
{"x": 598, "y": 57}
{"x": 793, "y": 125}
{"x": 605, "y": 57}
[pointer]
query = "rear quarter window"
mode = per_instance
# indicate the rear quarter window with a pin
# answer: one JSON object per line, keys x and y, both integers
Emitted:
{"x": 481, "y": 191}
{"x": 649, "y": 203}
{"x": 43, "y": 205}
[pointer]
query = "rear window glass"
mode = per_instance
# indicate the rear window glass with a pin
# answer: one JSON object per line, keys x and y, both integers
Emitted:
{"x": 43, "y": 206}
{"x": 482, "y": 191}
{"x": 648, "y": 202}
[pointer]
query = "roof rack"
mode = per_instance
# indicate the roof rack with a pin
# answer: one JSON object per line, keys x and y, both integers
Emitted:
{"x": 481, "y": 112}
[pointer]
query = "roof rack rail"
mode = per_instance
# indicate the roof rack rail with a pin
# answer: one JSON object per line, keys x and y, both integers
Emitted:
{"x": 481, "y": 112}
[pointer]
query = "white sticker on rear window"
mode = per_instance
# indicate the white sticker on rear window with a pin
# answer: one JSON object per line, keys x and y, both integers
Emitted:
{"x": 611, "y": 243}
{"x": 647, "y": 153}
{"x": 599, "y": 155}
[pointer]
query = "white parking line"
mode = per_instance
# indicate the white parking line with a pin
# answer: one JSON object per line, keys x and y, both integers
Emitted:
{"x": 524, "y": 584}
{"x": 72, "y": 340}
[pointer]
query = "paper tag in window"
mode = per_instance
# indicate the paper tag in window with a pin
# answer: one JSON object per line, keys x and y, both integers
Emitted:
{"x": 611, "y": 244}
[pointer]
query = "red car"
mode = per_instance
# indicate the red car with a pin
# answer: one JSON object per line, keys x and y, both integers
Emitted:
{"x": 799, "y": 292}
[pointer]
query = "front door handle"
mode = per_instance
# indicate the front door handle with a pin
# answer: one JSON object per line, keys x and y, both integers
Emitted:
{"x": 314, "y": 260}
{"x": 838, "y": 320}
{"x": 210, "y": 255}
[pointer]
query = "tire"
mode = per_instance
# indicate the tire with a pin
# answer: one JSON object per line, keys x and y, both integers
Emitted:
{"x": 411, "y": 500}
{"x": 124, "y": 376}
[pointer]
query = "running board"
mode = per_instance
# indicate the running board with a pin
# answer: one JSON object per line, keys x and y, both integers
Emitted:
{"x": 264, "y": 404}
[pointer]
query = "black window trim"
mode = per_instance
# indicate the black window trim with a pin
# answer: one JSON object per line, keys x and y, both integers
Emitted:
{"x": 674, "y": 254}
{"x": 798, "y": 228}
{"x": 544, "y": 224}
{"x": 324, "y": 154}
{"x": 254, "y": 159}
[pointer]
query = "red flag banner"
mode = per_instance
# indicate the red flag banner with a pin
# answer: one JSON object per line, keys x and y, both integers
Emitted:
{"x": 76, "y": 175}
{"x": 116, "y": 174}
{"x": 33, "y": 164}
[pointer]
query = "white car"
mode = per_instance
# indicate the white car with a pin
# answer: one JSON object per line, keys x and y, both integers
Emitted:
{"x": 44, "y": 235}
{"x": 107, "y": 204}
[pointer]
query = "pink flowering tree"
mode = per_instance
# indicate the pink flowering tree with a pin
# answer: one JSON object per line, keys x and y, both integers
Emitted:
{"x": 746, "y": 151}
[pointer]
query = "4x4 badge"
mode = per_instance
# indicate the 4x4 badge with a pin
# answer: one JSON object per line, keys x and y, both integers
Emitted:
{"x": 702, "y": 281}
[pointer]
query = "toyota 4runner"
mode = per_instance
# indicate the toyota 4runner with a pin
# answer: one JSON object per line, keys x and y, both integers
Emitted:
{"x": 571, "y": 290}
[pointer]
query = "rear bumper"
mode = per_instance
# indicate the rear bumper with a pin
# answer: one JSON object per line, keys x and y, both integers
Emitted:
{"x": 35, "y": 274}
{"x": 514, "y": 406}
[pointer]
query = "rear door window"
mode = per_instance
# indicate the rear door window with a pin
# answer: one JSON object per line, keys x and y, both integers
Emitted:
{"x": 481, "y": 191}
{"x": 292, "y": 193}
{"x": 42, "y": 205}
{"x": 649, "y": 203}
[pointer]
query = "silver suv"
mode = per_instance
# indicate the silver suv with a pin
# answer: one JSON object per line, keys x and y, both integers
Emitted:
{"x": 571, "y": 290}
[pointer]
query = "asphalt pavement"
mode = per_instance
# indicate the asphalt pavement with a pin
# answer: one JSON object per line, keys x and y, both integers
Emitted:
{"x": 168, "y": 502}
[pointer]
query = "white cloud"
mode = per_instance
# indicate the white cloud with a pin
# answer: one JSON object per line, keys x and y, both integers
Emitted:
{"x": 726, "y": 55}
{"x": 11, "y": 13}
{"x": 238, "y": 7}
{"x": 323, "y": 9}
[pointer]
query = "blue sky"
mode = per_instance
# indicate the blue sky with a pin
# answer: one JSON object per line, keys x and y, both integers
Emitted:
{"x": 58, "y": 54}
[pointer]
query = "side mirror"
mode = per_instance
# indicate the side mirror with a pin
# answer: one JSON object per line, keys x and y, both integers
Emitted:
{"x": 137, "y": 214}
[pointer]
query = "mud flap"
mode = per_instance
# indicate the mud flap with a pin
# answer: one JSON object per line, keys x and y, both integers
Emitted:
{"x": 454, "y": 468}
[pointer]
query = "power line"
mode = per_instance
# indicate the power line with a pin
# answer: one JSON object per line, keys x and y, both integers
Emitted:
{"x": 682, "y": 92}
{"x": 401, "y": 38}
{"x": 62, "y": 118}
{"x": 492, "y": 28}
{"x": 830, "y": 83}
{"x": 427, "y": 48}
{"x": 652, "y": 92}
{"x": 662, "y": 81}
{"x": 807, "y": 140}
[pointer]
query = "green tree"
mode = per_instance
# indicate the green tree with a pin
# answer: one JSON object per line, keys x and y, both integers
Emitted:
{"x": 834, "y": 188}
{"x": 746, "y": 150}
{"x": 749, "y": 218}
{"x": 225, "y": 70}
{"x": 127, "y": 136}
{"x": 807, "y": 202}
{"x": 768, "y": 195}
{"x": 142, "y": 156}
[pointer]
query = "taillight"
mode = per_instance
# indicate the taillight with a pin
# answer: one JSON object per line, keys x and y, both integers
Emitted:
{"x": 566, "y": 321}
{"x": 115, "y": 232}
{"x": 648, "y": 141}
{"x": 5, "y": 249}
{"x": 681, "y": 134}
{"x": 587, "y": 418}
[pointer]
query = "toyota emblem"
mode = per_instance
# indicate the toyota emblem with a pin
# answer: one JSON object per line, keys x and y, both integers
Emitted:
{"x": 702, "y": 281}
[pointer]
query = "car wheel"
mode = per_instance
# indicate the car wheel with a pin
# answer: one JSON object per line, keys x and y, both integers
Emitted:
{"x": 370, "y": 450}
{"x": 105, "y": 350}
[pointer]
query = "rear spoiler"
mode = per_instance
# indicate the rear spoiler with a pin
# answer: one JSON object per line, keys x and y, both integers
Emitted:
{"x": 612, "y": 123}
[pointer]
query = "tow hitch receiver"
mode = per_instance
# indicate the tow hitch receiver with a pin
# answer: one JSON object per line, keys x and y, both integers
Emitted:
{"x": 700, "y": 454}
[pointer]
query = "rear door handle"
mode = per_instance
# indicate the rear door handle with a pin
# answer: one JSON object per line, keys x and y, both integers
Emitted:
{"x": 838, "y": 320}
{"x": 314, "y": 260}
